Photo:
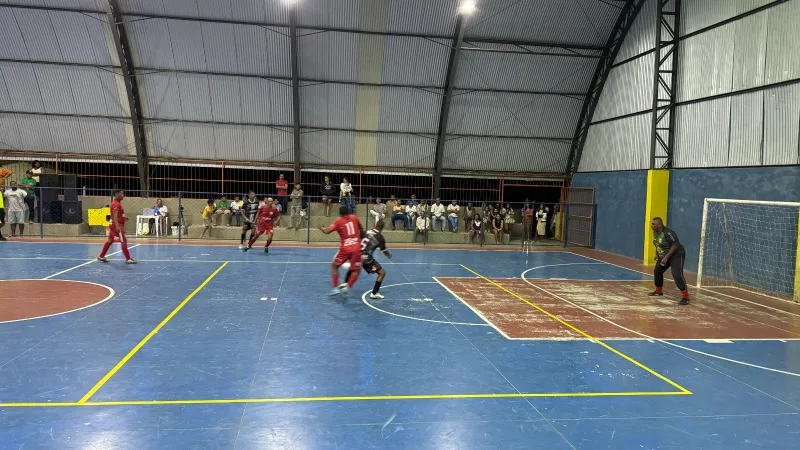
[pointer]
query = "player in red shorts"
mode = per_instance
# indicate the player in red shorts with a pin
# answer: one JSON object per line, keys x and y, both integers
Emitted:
{"x": 267, "y": 216}
{"x": 117, "y": 229}
{"x": 349, "y": 229}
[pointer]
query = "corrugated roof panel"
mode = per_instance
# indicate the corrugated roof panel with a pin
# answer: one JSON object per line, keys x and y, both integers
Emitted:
{"x": 67, "y": 136}
{"x": 622, "y": 144}
{"x": 88, "y": 92}
{"x": 331, "y": 14}
{"x": 55, "y": 88}
{"x": 750, "y": 49}
{"x": 187, "y": 8}
{"x": 227, "y": 140}
{"x": 219, "y": 44}
{"x": 251, "y": 10}
{"x": 161, "y": 97}
{"x": 5, "y": 100}
{"x": 436, "y": 17}
{"x": 270, "y": 12}
{"x": 262, "y": 52}
{"x": 329, "y": 56}
{"x": 524, "y": 72}
{"x": 781, "y": 126}
{"x": 226, "y": 98}
{"x": 195, "y": 92}
{"x": 406, "y": 150}
{"x": 747, "y": 120}
{"x": 783, "y": 58}
{"x": 328, "y": 105}
{"x": 407, "y": 109}
{"x": 37, "y": 30}
{"x": 408, "y": 60}
{"x": 67, "y": 4}
{"x": 34, "y": 133}
{"x": 642, "y": 35}
{"x": 113, "y": 87}
{"x": 199, "y": 141}
{"x": 264, "y": 144}
{"x": 144, "y": 6}
{"x": 702, "y": 133}
{"x": 265, "y": 101}
{"x": 586, "y": 22}
{"x": 168, "y": 140}
{"x": 10, "y": 35}
{"x": 705, "y": 65}
{"x": 151, "y": 43}
{"x": 328, "y": 147}
{"x": 99, "y": 33}
{"x": 187, "y": 44}
{"x": 73, "y": 38}
{"x": 503, "y": 114}
{"x": 9, "y": 137}
{"x": 98, "y": 138}
{"x": 697, "y": 14}
{"x": 507, "y": 155}
{"x": 23, "y": 86}
{"x": 628, "y": 89}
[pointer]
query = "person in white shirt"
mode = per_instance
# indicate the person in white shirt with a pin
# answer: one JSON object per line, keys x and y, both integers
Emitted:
{"x": 236, "y": 210}
{"x": 346, "y": 195}
{"x": 15, "y": 207}
{"x": 452, "y": 215}
{"x": 423, "y": 223}
{"x": 163, "y": 214}
{"x": 378, "y": 212}
{"x": 438, "y": 210}
{"x": 411, "y": 211}
{"x": 541, "y": 223}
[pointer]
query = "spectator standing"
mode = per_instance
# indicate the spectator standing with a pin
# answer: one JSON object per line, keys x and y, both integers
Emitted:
{"x": 222, "y": 207}
{"x": 4, "y": 173}
{"x": 469, "y": 213}
{"x": 15, "y": 208}
{"x": 423, "y": 223}
{"x": 378, "y": 211}
{"x": 527, "y": 213}
{"x": 541, "y": 223}
{"x": 282, "y": 187}
{"x": 328, "y": 192}
{"x": 36, "y": 169}
{"x": 297, "y": 206}
{"x": 437, "y": 214}
{"x": 452, "y": 215}
{"x": 399, "y": 213}
{"x": 2, "y": 216}
{"x": 346, "y": 195}
{"x": 236, "y": 210}
{"x": 29, "y": 183}
{"x": 509, "y": 218}
{"x": 207, "y": 214}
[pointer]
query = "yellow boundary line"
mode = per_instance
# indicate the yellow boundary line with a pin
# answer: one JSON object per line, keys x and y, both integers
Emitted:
{"x": 563, "y": 322}
{"x": 340, "y": 399}
{"x": 144, "y": 341}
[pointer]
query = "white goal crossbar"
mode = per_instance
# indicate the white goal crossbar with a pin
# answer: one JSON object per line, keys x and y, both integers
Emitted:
{"x": 751, "y": 245}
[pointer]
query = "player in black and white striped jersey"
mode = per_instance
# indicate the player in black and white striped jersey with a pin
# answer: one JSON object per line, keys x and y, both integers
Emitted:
{"x": 371, "y": 241}
{"x": 249, "y": 212}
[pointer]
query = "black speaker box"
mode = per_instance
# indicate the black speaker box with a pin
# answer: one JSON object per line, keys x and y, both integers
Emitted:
{"x": 51, "y": 211}
{"x": 70, "y": 181}
{"x": 72, "y": 212}
{"x": 49, "y": 180}
{"x": 48, "y": 194}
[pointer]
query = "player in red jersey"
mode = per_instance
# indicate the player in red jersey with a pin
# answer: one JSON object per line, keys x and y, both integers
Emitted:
{"x": 267, "y": 216}
{"x": 349, "y": 229}
{"x": 117, "y": 229}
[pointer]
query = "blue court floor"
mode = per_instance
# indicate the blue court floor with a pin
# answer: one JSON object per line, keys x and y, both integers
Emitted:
{"x": 208, "y": 347}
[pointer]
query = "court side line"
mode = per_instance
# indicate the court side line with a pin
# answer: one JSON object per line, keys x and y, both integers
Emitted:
{"x": 344, "y": 399}
{"x": 583, "y": 333}
{"x": 477, "y": 313}
{"x": 149, "y": 336}
{"x": 622, "y": 327}
{"x": 85, "y": 264}
{"x": 364, "y": 300}
{"x": 701, "y": 288}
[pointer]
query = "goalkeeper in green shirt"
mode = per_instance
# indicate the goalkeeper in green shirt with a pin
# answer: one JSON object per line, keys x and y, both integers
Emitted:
{"x": 670, "y": 254}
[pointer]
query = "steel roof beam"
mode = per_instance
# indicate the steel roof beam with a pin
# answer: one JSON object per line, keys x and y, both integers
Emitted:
{"x": 294, "y": 55}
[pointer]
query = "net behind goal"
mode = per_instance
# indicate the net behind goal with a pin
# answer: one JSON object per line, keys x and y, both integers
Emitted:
{"x": 751, "y": 245}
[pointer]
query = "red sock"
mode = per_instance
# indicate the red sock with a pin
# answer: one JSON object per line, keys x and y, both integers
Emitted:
{"x": 252, "y": 241}
{"x": 351, "y": 280}
{"x": 106, "y": 246}
{"x": 659, "y": 289}
{"x": 336, "y": 278}
{"x": 685, "y": 293}
{"x": 125, "y": 251}
{"x": 269, "y": 241}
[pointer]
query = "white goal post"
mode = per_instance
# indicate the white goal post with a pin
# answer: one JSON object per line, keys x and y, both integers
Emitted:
{"x": 751, "y": 245}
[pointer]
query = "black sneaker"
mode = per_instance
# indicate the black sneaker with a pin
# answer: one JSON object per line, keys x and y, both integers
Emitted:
{"x": 3, "y": 239}
{"x": 266, "y": 250}
{"x": 246, "y": 249}
{"x": 654, "y": 293}
{"x": 684, "y": 301}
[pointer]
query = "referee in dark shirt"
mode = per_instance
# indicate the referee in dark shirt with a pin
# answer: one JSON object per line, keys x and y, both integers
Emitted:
{"x": 670, "y": 255}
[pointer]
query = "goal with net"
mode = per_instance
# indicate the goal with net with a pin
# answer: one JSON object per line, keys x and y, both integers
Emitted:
{"x": 751, "y": 245}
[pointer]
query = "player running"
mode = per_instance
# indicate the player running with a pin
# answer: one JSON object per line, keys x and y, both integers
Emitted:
{"x": 372, "y": 240}
{"x": 267, "y": 216}
{"x": 117, "y": 229}
{"x": 249, "y": 212}
{"x": 349, "y": 229}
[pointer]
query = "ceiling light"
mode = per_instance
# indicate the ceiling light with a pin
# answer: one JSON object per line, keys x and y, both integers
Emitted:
{"x": 467, "y": 7}
{"x": 290, "y": 2}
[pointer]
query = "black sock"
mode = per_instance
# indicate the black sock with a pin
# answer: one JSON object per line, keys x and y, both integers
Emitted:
{"x": 377, "y": 287}
{"x": 243, "y": 235}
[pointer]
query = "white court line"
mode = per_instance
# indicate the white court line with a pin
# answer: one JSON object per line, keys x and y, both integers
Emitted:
{"x": 751, "y": 292}
{"x": 84, "y": 264}
{"x": 701, "y": 288}
{"x": 42, "y": 258}
{"x": 656, "y": 339}
{"x": 477, "y": 313}
{"x": 364, "y": 299}
{"x": 111, "y": 293}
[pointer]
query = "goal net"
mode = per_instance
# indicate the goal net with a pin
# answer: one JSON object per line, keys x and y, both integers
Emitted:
{"x": 751, "y": 245}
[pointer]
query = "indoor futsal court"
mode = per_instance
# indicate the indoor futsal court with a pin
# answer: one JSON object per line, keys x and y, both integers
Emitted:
{"x": 208, "y": 347}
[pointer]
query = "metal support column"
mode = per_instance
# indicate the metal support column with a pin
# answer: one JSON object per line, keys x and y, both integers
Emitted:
{"x": 452, "y": 67}
{"x": 662, "y": 140}
{"x": 295, "y": 89}
{"x": 131, "y": 90}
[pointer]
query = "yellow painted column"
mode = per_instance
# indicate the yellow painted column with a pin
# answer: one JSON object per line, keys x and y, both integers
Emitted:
{"x": 655, "y": 206}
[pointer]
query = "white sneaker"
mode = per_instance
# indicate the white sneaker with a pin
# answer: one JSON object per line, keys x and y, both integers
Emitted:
{"x": 375, "y": 296}
{"x": 241, "y": 246}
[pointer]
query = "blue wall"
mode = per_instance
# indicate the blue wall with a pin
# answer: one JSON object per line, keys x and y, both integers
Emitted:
{"x": 620, "y": 198}
{"x": 689, "y": 187}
